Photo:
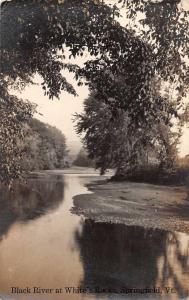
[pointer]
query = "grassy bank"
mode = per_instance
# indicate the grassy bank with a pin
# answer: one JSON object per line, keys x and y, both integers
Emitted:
{"x": 151, "y": 174}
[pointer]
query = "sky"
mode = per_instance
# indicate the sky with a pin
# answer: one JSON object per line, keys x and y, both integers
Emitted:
{"x": 60, "y": 112}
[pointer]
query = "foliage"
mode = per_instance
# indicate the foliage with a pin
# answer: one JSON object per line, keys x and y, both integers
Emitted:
{"x": 35, "y": 33}
{"x": 14, "y": 114}
{"x": 40, "y": 28}
{"x": 115, "y": 143}
{"x": 159, "y": 47}
{"x": 82, "y": 159}
{"x": 44, "y": 147}
{"x": 184, "y": 162}
{"x": 164, "y": 25}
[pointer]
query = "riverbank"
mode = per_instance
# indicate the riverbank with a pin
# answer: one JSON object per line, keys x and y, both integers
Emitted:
{"x": 151, "y": 206}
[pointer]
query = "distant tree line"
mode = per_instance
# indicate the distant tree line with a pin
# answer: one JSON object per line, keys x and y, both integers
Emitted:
{"x": 44, "y": 147}
{"x": 35, "y": 37}
{"x": 83, "y": 160}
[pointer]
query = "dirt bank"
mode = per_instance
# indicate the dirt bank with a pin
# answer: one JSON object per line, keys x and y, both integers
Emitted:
{"x": 140, "y": 204}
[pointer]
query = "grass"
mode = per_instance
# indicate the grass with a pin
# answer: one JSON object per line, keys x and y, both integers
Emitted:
{"x": 153, "y": 175}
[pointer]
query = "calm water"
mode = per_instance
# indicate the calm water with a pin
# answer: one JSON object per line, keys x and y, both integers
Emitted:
{"x": 42, "y": 244}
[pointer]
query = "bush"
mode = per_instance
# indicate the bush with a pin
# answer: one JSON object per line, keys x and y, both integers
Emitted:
{"x": 154, "y": 175}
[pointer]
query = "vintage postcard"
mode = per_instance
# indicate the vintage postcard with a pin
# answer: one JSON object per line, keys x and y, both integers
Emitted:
{"x": 94, "y": 149}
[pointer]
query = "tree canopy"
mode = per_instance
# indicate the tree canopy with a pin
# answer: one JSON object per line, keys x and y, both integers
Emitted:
{"x": 115, "y": 143}
{"x": 82, "y": 159}
{"x": 13, "y": 113}
{"x": 44, "y": 147}
{"x": 35, "y": 34}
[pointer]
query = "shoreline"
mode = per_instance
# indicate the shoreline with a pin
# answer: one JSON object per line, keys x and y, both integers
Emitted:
{"x": 138, "y": 204}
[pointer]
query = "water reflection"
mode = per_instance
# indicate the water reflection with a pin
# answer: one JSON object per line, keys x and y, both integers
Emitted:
{"x": 39, "y": 248}
{"x": 116, "y": 256}
{"x": 45, "y": 245}
{"x": 29, "y": 201}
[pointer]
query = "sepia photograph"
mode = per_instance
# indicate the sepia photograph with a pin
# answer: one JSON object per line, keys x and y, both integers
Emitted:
{"x": 94, "y": 149}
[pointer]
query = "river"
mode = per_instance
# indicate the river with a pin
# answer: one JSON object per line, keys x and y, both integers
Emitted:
{"x": 44, "y": 248}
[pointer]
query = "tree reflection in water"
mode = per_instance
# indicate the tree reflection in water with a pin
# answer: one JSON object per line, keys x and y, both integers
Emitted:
{"x": 29, "y": 201}
{"x": 173, "y": 264}
{"x": 116, "y": 256}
